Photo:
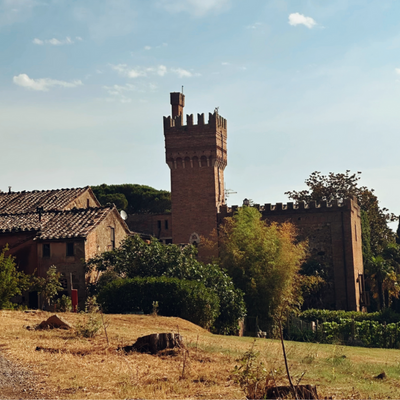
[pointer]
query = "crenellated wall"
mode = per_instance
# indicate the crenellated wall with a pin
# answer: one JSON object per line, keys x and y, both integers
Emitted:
{"x": 333, "y": 232}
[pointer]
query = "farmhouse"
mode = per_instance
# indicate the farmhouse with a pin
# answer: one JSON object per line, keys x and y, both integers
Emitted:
{"x": 58, "y": 227}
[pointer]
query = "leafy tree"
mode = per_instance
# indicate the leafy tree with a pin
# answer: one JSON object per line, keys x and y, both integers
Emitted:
{"x": 378, "y": 240}
{"x": 118, "y": 199}
{"x": 314, "y": 284}
{"x": 345, "y": 185}
{"x": 134, "y": 199}
{"x": 136, "y": 258}
{"x": 12, "y": 281}
{"x": 49, "y": 286}
{"x": 264, "y": 261}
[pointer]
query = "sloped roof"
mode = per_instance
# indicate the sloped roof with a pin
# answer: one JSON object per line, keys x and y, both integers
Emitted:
{"x": 25, "y": 202}
{"x": 56, "y": 224}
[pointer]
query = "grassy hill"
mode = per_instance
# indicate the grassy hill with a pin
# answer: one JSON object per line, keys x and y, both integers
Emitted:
{"x": 73, "y": 367}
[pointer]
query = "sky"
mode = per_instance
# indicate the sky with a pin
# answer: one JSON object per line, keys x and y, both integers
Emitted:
{"x": 305, "y": 85}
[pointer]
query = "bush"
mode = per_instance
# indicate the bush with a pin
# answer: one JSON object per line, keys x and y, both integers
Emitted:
{"x": 388, "y": 316}
{"x": 352, "y": 328}
{"x": 89, "y": 326}
{"x": 136, "y": 258}
{"x": 64, "y": 303}
{"x": 176, "y": 298}
{"x": 12, "y": 281}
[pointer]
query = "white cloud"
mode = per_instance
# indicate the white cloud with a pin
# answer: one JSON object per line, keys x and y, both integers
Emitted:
{"x": 225, "y": 63}
{"x": 182, "y": 73}
{"x": 14, "y": 11}
{"x": 43, "y": 84}
{"x": 123, "y": 70}
{"x": 160, "y": 70}
{"x": 134, "y": 73}
{"x": 121, "y": 93}
{"x": 78, "y": 38}
{"x": 55, "y": 42}
{"x": 198, "y": 8}
{"x": 397, "y": 71}
{"x": 254, "y": 26}
{"x": 300, "y": 19}
{"x": 147, "y": 47}
{"x": 116, "y": 90}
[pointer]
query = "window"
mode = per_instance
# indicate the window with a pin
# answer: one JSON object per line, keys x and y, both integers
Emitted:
{"x": 70, "y": 250}
{"x": 166, "y": 224}
{"x": 159, "y": 224}
{"x": 64, "y": 282}
{"x": 46, "y": 250}
{"x": 112, "y": 238}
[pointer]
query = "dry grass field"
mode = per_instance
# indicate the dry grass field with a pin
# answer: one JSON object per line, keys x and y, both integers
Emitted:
{"x": 72, "y": 367}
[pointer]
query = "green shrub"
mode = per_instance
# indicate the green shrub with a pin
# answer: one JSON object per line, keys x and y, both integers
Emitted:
{"x": 136, "y": 258}
{"x": 347, "y": 331}
{"x": 89, "y": 325}
{"x": 388, "y": 316}
{"x": 176, "y": 298}
{"x": 64, "y": 303}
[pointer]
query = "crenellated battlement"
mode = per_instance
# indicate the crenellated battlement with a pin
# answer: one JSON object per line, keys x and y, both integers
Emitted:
{"x": 214, "y": 121}
{"x": 297, "y": 208}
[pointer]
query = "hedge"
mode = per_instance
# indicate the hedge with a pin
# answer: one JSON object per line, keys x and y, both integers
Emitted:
{"x": 190, "y": 300}
{"x": 388, "y": 316}
{"x": 351, "y": 328}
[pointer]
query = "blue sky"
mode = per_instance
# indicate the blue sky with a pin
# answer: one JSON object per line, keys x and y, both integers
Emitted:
{"x": 305, "y": 85}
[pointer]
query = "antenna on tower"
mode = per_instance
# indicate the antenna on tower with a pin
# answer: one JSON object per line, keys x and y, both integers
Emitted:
{"x": 182, "y": 89}
{"x": 228, "y": 192}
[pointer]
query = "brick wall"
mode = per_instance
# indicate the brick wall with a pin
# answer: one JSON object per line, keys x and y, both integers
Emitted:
{"x": 333, "y": 232}
{"x": 157, "y": 225}
{"x": 197, "y": 157}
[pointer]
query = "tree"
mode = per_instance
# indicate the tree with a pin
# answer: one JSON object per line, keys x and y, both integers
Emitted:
{"x": 49, "y": 286}
{"x": 344, "y": 186}
{"x": 134, "y": 199}
{"x": 378, "y": 240}
{"x": 12, "y": 281}
{"x": 264, "y": 261}
{"x": 136, "y": 258}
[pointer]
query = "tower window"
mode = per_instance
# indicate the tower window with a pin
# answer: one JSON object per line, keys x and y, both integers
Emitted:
{"x": 46, "y": 250}
{"x": 70, "y": 249}
{"x": 159, "y": 224}
{"x": 166, "y": 224}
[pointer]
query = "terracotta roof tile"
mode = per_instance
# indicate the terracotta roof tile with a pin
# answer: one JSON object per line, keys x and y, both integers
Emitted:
{"x": 56, "y": 224}
{"x": 23, "y": 202}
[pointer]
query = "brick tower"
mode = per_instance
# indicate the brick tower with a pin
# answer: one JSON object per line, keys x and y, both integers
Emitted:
{"x": 197, "y": 157}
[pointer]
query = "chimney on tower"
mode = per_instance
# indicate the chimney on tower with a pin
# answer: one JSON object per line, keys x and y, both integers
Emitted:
{"x": 177, "y": 103}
